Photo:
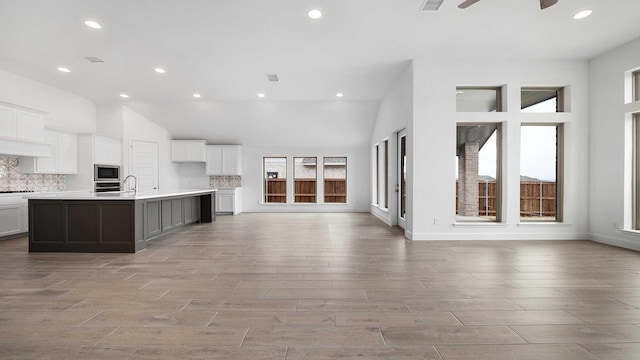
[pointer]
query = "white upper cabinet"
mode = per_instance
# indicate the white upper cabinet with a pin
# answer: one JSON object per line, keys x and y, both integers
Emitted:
{"x": 7, "y": 122}
{"x": 67, "y": 153}
{"x": 29, "y": 126}
{"x": 188, "y": 150}
{"x": 224, "y": 160}
{"x": 108, "y": 151}
{"x": 64, "y": 157}
{"x": 21, "y": 124}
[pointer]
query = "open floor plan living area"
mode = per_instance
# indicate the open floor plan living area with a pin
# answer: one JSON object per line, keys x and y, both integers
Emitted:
{"x": 320, "y": 179}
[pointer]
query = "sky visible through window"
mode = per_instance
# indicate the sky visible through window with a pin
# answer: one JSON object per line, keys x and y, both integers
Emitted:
{"x": 537, "y": 149}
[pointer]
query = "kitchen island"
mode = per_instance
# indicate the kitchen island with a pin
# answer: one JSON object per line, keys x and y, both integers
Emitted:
{"x": 112, "y": 222}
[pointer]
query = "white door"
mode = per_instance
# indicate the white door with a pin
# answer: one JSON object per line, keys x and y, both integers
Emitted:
{"x": 401, "y": 187}
{"x": 144, "y": 165}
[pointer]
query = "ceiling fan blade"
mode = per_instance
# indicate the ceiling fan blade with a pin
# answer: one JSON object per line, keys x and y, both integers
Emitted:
{"x": 468, "y": 3}
{"x": 547, "y": 3}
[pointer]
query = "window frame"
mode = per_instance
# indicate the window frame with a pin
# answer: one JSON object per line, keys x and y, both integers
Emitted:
{"x": 559, "y": 208}
{"x": 324, "y": 180}
{"x": 295, "y": 194}
{"x": 265, "y": 181}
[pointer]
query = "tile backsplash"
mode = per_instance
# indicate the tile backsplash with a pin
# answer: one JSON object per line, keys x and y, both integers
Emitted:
{"x": 12, "y": 180}
{"x": 225, "y": 181}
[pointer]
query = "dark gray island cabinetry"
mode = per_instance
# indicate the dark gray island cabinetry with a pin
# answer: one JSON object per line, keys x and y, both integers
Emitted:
{"x": 112, "y": 222}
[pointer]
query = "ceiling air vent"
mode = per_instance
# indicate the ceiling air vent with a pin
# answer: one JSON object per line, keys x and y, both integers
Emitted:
{"x": 94, "y": 59}
{"x": 273, "y": 77}
{"x": 431, "y": 5}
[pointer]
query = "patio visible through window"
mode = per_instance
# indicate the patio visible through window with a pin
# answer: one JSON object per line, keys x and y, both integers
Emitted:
{"x": 478, "y": 178}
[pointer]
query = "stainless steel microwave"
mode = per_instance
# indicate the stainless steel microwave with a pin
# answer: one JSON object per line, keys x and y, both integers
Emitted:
{"x": 106, "y": 172}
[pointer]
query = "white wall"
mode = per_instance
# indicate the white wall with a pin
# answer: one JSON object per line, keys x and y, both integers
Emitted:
{"x": 432, "y": 139}
{"x": 394, "y": 114}
{"x": 610, "y": 150}
{"x": 109, "y": 121}
{"x": 64, "y": 111}
{"x": 193, "y": 176}
{"x": 137, "y": 127}
{"x": 357, "y": 178}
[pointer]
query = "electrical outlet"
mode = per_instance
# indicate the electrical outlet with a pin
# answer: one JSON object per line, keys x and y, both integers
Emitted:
{"x": 436, "y": 221}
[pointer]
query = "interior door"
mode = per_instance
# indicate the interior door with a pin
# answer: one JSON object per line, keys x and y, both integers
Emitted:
{"x": 144, "y": 165}
{"x": 402, "y": 179}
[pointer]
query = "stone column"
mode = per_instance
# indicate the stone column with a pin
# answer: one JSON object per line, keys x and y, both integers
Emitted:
{"x": 468, "y": 175}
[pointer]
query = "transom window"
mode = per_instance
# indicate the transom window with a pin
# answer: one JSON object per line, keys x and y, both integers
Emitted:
{"x": 542, "y": 99}
{"x": 636, "y": 85}
{"x": 479, "y": 99}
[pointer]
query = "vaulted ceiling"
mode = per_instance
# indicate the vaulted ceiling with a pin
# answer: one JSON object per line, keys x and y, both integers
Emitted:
{"x": 224, "y": 49}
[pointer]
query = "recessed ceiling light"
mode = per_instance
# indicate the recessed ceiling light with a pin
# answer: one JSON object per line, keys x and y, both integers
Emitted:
{"x": 459, "y": 92}
{"x": 197, "y": 95}
{"x": 64, "y": 70}
{"x": 261, "y": 95}
{"x": 124, "y": 96}
{"x": 159, "y": 70}
{"x": 339, "y": 94}
{"x": 315, "y": 14}
{"x": 582, "y": 14}
{"x": 92, "y": 24}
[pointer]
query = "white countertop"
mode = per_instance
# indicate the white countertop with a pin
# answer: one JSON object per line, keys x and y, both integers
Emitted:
{"x": 116, "y": 195}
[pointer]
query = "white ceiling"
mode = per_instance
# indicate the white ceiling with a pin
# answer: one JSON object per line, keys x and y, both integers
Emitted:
{"x": 223, "y": 49}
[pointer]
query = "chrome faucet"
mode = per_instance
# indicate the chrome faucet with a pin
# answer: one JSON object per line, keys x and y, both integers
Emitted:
{"x": 135, "y": 182}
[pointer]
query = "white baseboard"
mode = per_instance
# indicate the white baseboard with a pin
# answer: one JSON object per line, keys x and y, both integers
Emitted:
{"x": 288, "y": 209}
{"x": 623, "y": 243}
{"x": 383, "y": 216}
{"x": 495, "y": 236}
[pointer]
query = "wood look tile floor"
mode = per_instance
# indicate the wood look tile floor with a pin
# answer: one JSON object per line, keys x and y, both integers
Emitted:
{"x": 321, "y": 286}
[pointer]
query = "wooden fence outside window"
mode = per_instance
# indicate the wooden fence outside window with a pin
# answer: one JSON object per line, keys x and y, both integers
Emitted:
{"x": 537, "y": 198}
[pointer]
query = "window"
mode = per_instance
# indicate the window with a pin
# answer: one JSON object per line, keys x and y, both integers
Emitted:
{"x": 304, "y": 178}
{"x": 544, "y": 100}
{"x": 376, "y": 174}
{"x": 382, "y": 173}
{"x": 275, "y": 179}
{"x": 335, "y": 179}
{"x": 540, "y": 173}
{"x": 386, "y": 174}
{"x": 478, "y": 180}
{"x": 636, "y": 172}
{"x": 479, "y": 99}
{"x": 636, "y": 85}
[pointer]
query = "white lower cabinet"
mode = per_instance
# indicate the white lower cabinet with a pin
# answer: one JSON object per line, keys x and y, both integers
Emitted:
{"x": 229, "y": 201}
{"x": 13, "y": 219}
